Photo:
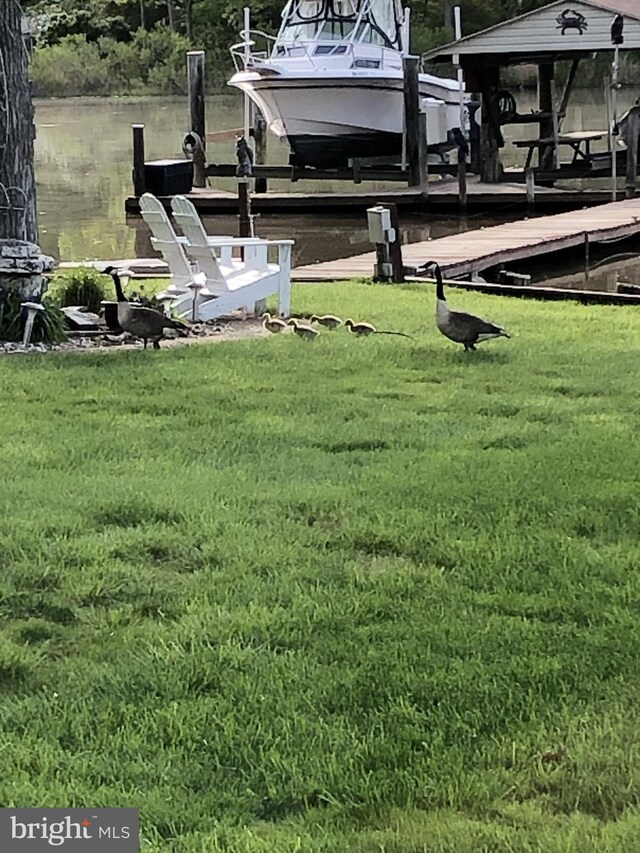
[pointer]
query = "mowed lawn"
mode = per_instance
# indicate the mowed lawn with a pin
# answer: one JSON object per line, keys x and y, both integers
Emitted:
{"x": 371, "y": 595}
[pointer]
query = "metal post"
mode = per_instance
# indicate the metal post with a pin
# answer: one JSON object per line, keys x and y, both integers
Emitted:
{"x": 247, "y": 52}
{"x": 406, "y": 50}
{"x": 614, "y": 123}
{"x": 462, "y": 163}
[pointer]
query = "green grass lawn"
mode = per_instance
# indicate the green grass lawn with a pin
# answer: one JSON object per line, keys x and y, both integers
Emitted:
{"x": 340, "y": 596}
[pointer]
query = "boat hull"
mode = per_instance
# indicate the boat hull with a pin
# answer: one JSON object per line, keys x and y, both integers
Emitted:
{"x": 331, "y": 120}
{"x": 335, "y": 152}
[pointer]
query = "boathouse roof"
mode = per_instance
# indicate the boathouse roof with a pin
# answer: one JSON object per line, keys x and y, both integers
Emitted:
{"x": 566, "y": 29}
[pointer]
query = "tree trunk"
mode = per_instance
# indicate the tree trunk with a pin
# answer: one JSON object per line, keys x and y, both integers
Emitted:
{"x": 188, "y": 18}
{"x": 448, "y": 13}
{"x": 17, "y": 132}
{"x": 171, "y": 11}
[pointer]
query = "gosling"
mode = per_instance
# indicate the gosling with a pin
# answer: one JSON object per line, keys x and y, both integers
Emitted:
{"x": 273, "y": 324}
{"x": 329, "y": 321}
{"x": 307, "y": 333}
{"x": 363, "y": 330}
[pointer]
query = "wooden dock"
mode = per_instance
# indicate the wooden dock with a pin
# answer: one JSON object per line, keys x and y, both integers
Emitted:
{"x": 474, "y": 251}
{"x": 442, "y": 197}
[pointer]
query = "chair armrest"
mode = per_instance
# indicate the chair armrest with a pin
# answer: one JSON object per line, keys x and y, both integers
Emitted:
{"x": 240, "y": 241}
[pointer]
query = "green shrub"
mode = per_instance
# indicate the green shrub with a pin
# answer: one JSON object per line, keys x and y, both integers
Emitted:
{"x": 83, "y": 286}
{"x": 49, "y": 326}
{"x": 72, "y": 67}
{"x": 154, "y": 61}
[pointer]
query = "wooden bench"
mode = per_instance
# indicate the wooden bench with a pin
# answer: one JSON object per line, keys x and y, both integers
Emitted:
{"x": 575, "y": 140}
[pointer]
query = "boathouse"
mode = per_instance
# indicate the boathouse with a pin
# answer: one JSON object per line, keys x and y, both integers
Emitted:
{"x": 564, "y": 30}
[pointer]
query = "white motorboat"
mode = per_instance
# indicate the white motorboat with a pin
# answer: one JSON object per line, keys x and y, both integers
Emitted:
{"x": 331, "y": 81}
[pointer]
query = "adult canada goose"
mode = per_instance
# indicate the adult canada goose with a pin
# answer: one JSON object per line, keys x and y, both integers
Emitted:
{"x": 142, "y": 322}
{"x": 302, "y": 330}
{"x": 365, "y": 329}
{"x": 456, "y": 325}
{"x": 273, "y": 324}
{"x": 329, "y": 321}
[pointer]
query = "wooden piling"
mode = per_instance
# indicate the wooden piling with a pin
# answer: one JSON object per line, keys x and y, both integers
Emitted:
{"x": 462, "y": 180}
{"x": 531, "y": 188}
{"x": 195, "y": 82}
{"x": 138, "y": 160}
{"x": 587, "y": 258}
{"x": 410, "y": 67}
{"x": 490, "y": 134}
{"x": 633, "y": 130}
{"x": 547, "y": 156}
{"x": 244, "y": 210}
{"x": 395, "y": 247}
{"x": 423, "y": 160}
{"x": 474, "y": 133}
{"x": 259, "y": 133}
{"x": 564, "y": 101}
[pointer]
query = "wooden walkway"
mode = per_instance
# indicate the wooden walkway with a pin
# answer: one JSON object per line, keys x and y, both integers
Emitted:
{"x": 474, "y": 251}
{"x": 442, "y": 196}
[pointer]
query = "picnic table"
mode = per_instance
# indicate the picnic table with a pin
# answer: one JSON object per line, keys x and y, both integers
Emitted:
{"x": 575, "y": 140}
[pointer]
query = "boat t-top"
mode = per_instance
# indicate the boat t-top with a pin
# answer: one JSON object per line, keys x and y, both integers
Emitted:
{"x": 331, "y": 82}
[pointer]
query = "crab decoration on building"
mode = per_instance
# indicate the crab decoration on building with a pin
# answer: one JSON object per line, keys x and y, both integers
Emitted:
{"x": 571, "y": 20}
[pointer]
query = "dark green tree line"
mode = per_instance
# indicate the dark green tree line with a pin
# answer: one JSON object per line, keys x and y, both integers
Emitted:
{"x": 127, "y": 46}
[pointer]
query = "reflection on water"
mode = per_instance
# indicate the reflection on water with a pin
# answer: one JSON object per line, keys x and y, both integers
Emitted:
{"x": 607, "y": 269}
{"x": 83, "y": 171}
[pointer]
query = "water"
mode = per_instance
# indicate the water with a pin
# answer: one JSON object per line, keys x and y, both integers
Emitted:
{"x": 83, "y": 172}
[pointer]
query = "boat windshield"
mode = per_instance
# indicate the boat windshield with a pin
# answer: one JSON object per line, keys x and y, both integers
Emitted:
{"x": 367, "y": 21}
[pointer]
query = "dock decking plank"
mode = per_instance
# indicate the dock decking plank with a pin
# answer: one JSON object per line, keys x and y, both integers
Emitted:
{"x": 472, "y": 251}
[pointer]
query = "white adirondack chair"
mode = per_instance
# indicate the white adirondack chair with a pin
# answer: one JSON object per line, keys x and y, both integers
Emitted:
{"x": 230, "y": 288}
{"x": 165, "y": 239}
{"x": 172, "y": 248}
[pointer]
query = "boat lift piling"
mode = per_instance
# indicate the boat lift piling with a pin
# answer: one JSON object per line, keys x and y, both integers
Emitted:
{"x": 633, "y": 133}
{"x": 415, "y": 127}
{"x": 195, "y": 79}
{"x": 259, "y": 133}
{"x": 138, "y": 159}
{"x": 410, "y": 68}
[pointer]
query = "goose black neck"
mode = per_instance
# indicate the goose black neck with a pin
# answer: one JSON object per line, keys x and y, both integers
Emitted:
{"x": 116, "y": 281}
{"x": 439, "y": 283}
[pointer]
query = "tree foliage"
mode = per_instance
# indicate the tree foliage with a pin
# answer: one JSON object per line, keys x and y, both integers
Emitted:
{"x": 117, "y": 28}
{"x": 214, "y": 22}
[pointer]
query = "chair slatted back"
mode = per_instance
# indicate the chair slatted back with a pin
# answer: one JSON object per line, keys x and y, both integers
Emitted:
{"x": 164, "y": 239}
{"x": 198, "y": 246}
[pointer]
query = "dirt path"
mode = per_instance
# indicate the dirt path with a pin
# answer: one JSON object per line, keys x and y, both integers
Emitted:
{"x": 232, "y": 330}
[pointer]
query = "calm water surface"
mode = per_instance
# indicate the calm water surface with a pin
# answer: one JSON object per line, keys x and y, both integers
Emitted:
{"x": 83, "y": 171}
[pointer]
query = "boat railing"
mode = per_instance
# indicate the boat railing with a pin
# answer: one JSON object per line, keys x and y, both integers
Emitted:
{"x": 243, "y": 54}
{"x": 362, "y": 55}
